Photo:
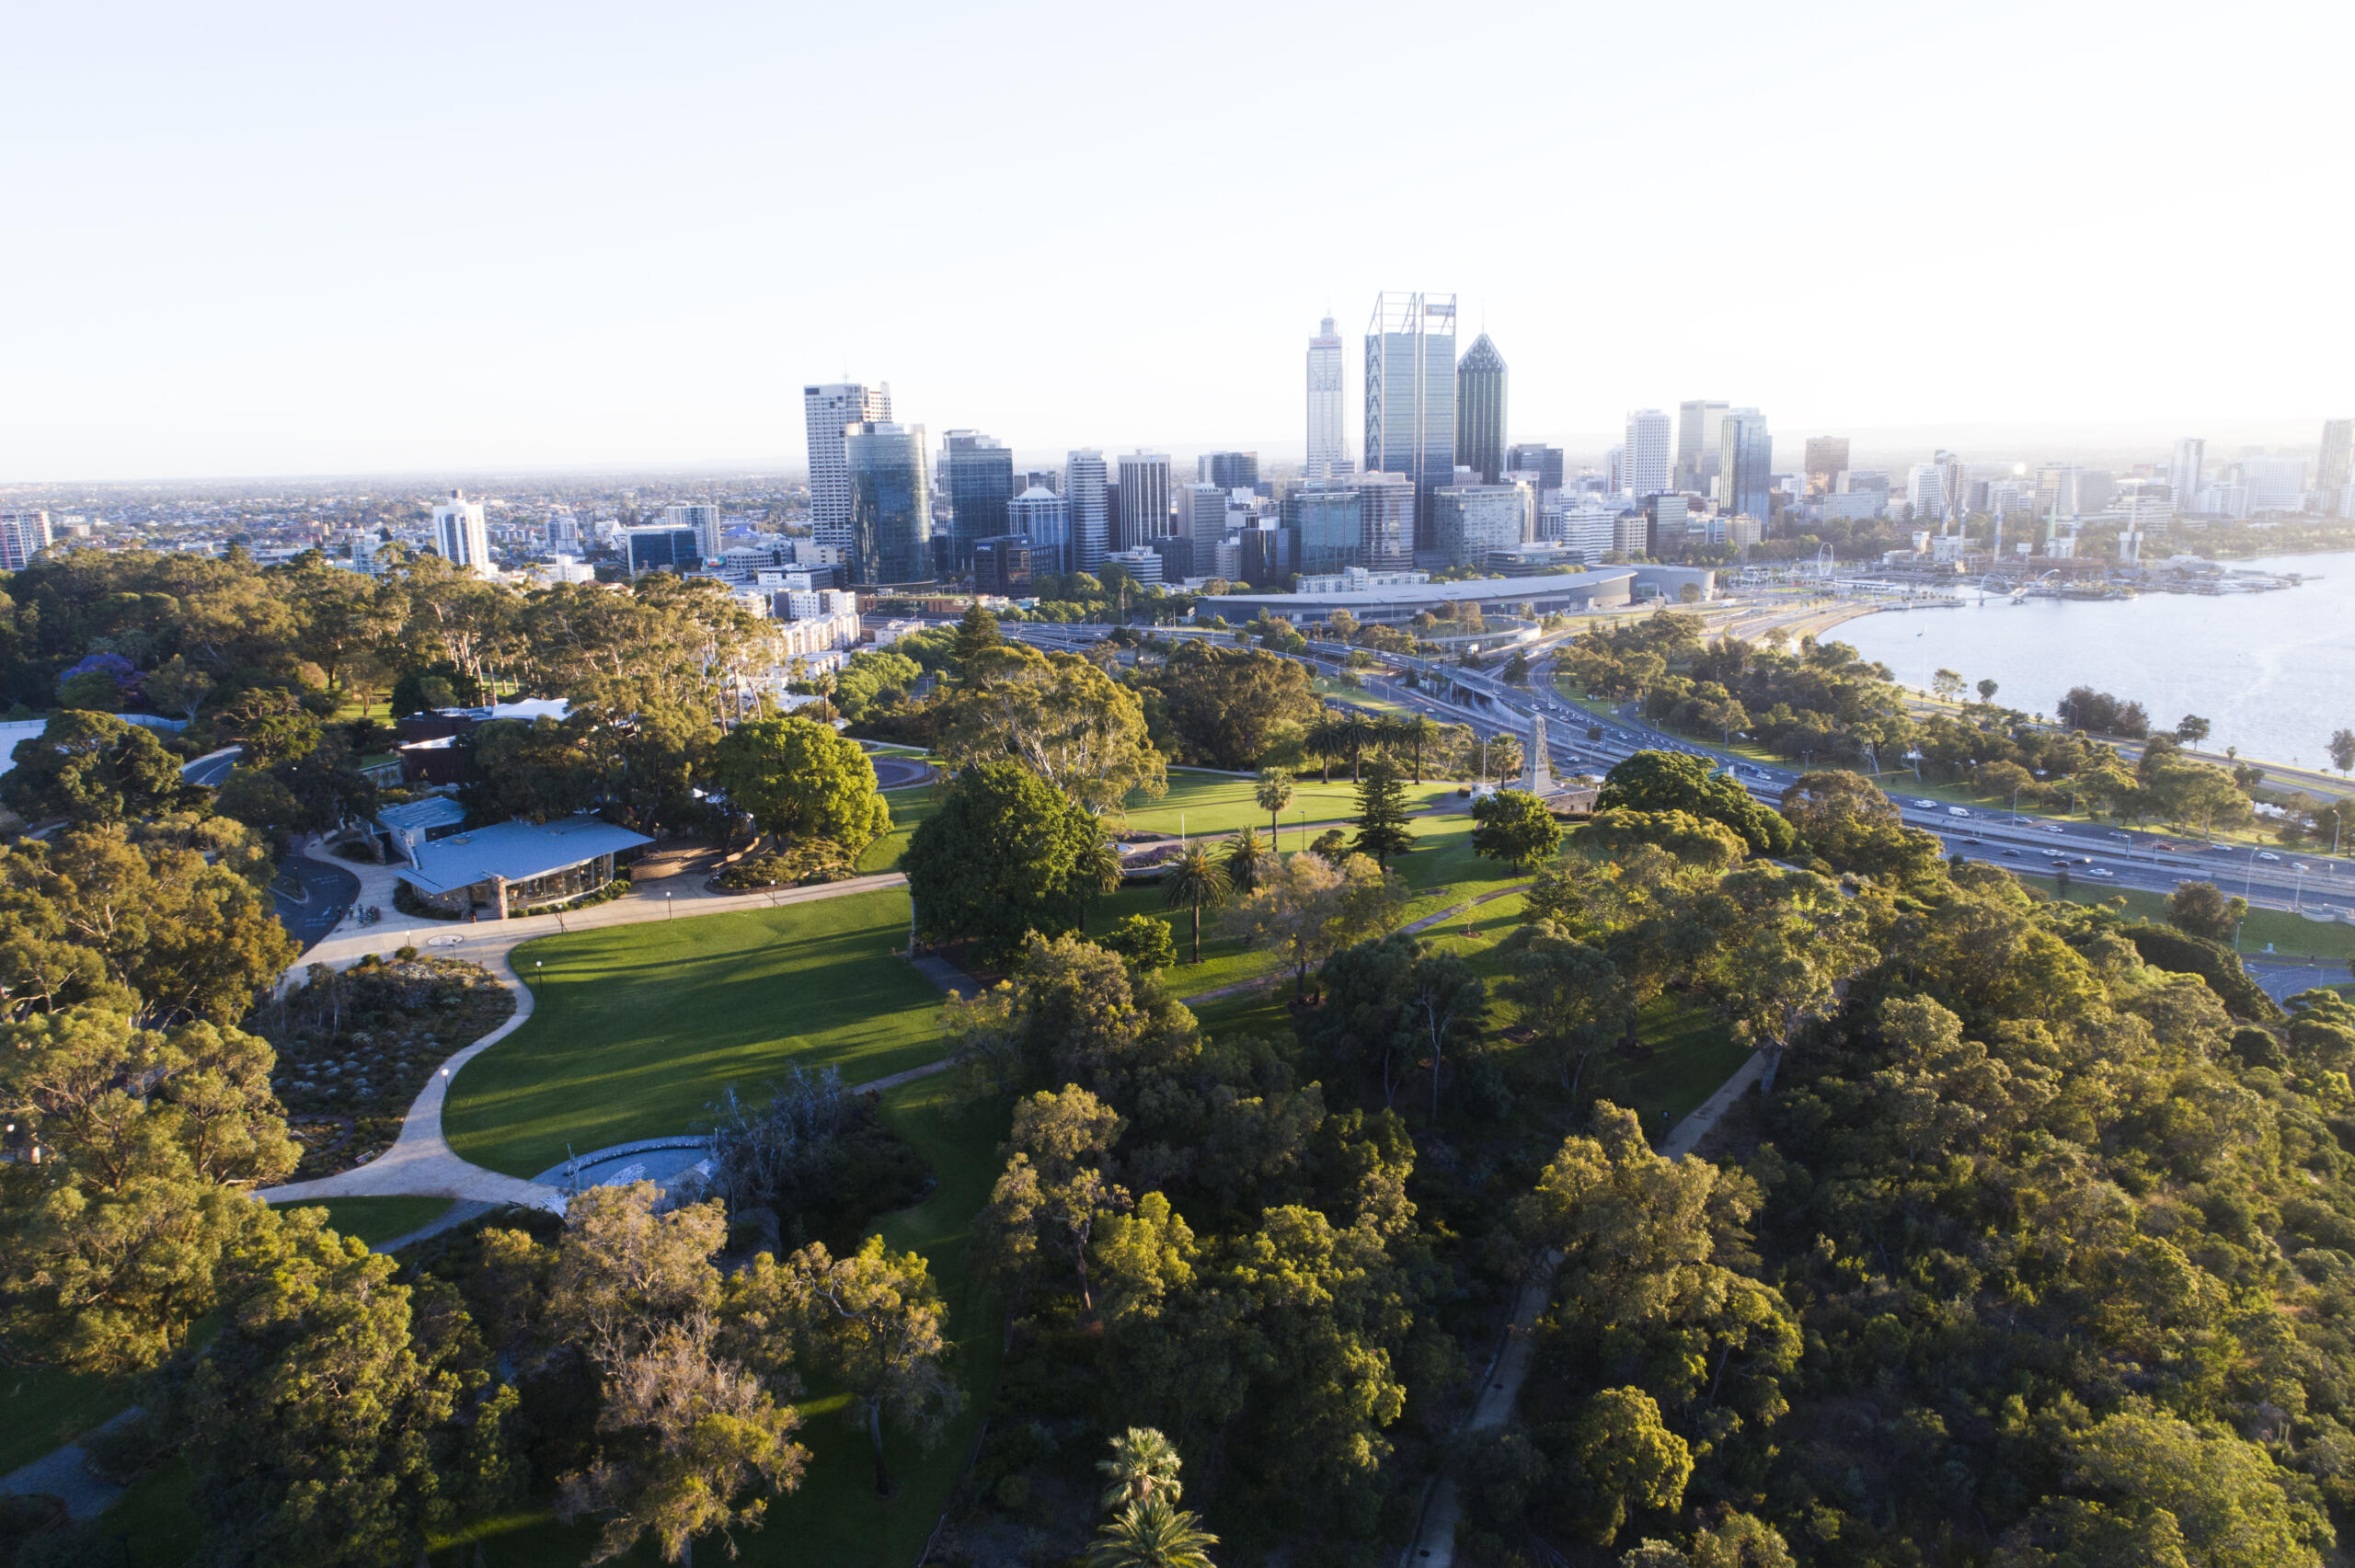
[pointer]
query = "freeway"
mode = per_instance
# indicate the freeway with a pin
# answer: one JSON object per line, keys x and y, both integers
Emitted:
{"x": 2091, "y": 854}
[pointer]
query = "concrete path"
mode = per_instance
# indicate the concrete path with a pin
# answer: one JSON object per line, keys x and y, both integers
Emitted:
{"x": 1434, "y": 1543}
{"x": 421, "y": 1163}
{"x": 59, "y": 1473}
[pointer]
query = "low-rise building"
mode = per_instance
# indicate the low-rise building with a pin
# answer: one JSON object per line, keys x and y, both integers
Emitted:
{"x": 517, "y": 866}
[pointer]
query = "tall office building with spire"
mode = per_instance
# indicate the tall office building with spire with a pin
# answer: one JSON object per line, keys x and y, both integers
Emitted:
{"x": 1481, "y": 410}
{"x": 1410, "y": 396}
{"x": 827, "y": 411}
{"x": 1328, "y": 443}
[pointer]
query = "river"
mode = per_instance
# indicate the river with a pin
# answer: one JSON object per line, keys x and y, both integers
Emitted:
{"x": 2273, "y": 672}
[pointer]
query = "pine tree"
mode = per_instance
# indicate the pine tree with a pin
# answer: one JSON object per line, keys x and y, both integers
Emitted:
{"x": 1381, "y": 812}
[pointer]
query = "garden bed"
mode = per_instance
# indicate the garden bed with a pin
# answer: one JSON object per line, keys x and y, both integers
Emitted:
{"x": 355, "y": 1047}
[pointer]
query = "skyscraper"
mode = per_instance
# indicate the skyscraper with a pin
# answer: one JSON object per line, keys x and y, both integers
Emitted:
{"x": 1386, "y": 514}
{"x": 827, "y": 411}
{"x": 1644, "y": 460}
{"x": 1229, "y": 470}
{"x": 2338, "y": 466}
{"x": 459, "y": 536}
{"x": 1202, "y": 511}
{"x": 1471, "y": 521}
{"x": 1481, "y": 410}
{"x": 1085, "y": 481}
{"x": 1144, "y": 498}
{"x": 1827, "y": 459}
{"x": 1745, "y": 464}
{"x": 2184, "y": 472}
{"x": 1326, "y": 518}
{"x": 1699, "y": 438}
{"x": 1043, "y": 518}
{"x": 890, "y": 503}
{"x": 978, "y": 472}
{"x": 1329, "y": 445}
{"x": 23, "y": 535}
{"x": 1410, "y": 396}
{"x": 702, "y": 520}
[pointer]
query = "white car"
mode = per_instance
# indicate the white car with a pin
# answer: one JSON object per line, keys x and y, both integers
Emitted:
{"x": 2098, "y": 870}
{"x": 1926, "y": 806}
{"x": 2267, "y": 854}
{"x": 2056, "y": 830}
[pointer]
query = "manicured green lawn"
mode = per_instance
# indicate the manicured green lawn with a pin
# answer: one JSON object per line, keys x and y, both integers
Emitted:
{"x": 375, "y": 1219}
{"x": 2293, "y": 936}
{"x": 1199, "y": 802}
{"x": 632, "y": 1037}
{"x": 41, "y": 1409}
{"x": 637, "y": 1029}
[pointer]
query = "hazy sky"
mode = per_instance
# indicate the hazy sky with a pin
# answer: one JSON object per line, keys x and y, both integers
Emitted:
{"x": 327, "y": 238}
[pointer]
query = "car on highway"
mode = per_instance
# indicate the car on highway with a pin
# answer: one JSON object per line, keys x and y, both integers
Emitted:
{"x": 2056, "y": 828}
{"x": 1926, "y": 806}
{"x": 2013, "y": 853}
{"x": 2099, "y": 870}
{"x": 2267, "y": 854}
{"x": 2123, "y": 837}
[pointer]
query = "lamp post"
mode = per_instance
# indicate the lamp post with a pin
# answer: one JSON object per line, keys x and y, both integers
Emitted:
{"x": 667, "y": 909}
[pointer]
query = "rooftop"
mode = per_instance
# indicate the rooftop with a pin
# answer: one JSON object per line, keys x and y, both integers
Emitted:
{"x": 435, "y": 811}
{"x": 516, "y": 851}
{"x": 1479, "y": 590}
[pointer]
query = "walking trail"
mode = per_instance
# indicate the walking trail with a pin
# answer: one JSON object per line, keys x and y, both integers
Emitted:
{"x": 1434, "y": 1543}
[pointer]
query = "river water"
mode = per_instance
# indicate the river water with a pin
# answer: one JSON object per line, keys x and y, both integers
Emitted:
{"x": 2273, "y": 672}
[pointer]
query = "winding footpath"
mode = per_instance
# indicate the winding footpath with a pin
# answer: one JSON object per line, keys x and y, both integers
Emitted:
{"x": 1434, "y": 1543}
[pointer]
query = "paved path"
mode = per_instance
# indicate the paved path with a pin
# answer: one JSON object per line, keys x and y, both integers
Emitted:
{"x": 1434, "y": 1543}
{"x": 59, "y": 1473}
{"x": 327, "y": 894}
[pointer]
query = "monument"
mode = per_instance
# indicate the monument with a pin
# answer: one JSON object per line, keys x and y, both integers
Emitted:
{"x": 1537, "y": 767}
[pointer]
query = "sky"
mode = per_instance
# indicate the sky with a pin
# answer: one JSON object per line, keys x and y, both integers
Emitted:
{"x": 329, "y": 239}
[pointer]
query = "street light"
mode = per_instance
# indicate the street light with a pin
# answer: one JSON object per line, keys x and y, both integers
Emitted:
{"x": 666, "y": 911}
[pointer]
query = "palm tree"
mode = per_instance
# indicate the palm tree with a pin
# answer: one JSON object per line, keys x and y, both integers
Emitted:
{"x": 1324, "y": 737}
{"x": 1355, "y": 732}
{"x": 1195, "y": 879}
{"x": 1418, "y": 731}
{"x": 1152, "y": 1534}
{"x": 1273, "y": 793}
{"x": 1143, "y": 1464}
{"x": 1248, "y": 860}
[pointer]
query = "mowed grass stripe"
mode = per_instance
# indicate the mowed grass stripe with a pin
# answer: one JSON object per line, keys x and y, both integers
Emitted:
{"x": 637, "y": 1029}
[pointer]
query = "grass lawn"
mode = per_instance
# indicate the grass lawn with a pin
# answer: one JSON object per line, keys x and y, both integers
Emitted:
{"x": 1199, "y": 802}
{"x": 2290, "y": 935}
{"x": 636, "y": 1029}
{"x": 375, "y": 1219}
{"x": 41, "y": 1409}
{"x": 1356, "y": 696}
{"x": 630, "y": 1037}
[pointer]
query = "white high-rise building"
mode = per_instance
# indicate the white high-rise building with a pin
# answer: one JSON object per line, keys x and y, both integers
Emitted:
{"x": 827, "y": 411}
{"x": 23, "y": 535}
{"x": 1925, "y": 491}
{"x": 1202, "y": 511}
{"x": 459, "y": 535}
{"x": 1085, "y": 479}
{"x": 1649, "y": 453}
{"x": 2184, "y": 475}
{"x": 564, "y": 531}
{"x": 1144, "y": 498}
{"x": 704, "y": 519}
{"x": 1328, "y": 447}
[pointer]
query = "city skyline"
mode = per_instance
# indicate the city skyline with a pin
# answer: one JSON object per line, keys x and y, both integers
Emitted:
{"x": 354, "y": 285}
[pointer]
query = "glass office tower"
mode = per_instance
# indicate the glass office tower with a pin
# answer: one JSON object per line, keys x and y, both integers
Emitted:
{"x": 1481, "y": 410}
{"x": 890, "y": 503}
{"x": 1043, "y": 518}
{"x": 1326, "y": 518}
{"x": 1745, "y": 464}
{"x": 1410, "y": 396}
{"x": 978, "y": 471}
{"x": 1386, "y": 515}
